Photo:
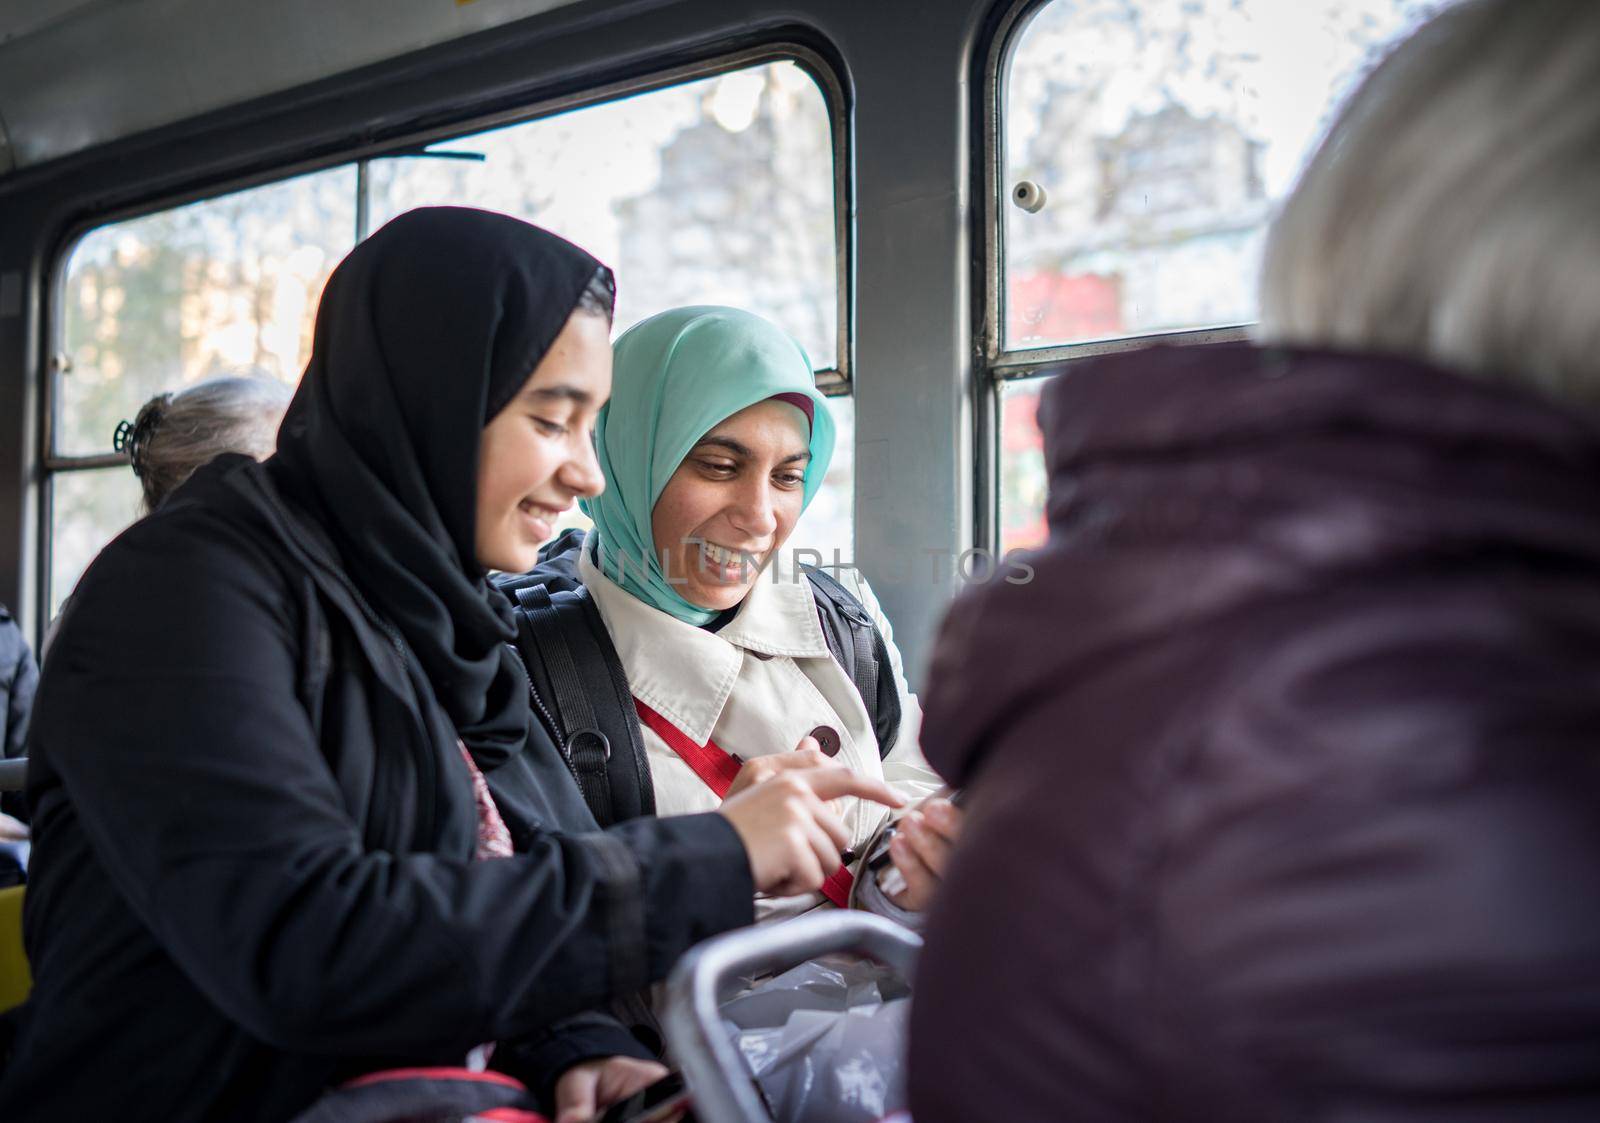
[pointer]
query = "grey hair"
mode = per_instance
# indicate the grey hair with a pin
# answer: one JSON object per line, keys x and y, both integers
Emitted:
{"x": 176, "y": 433}
{"x": 1453, "y": 210}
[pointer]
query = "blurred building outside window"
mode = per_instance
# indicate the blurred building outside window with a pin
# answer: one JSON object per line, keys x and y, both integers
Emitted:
{"x": 1163, "y": 133}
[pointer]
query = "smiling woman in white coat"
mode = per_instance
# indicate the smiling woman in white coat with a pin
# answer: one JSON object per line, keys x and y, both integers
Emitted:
{"x": 713, "y": 443}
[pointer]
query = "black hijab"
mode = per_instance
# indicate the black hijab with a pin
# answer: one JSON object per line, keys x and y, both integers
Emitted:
{"x": 425, "y": 332}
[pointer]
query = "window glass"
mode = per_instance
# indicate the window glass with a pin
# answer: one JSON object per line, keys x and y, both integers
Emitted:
{"x": 716, "y": 191}
{"x": 1161, "y": 133}
{"x": 1022, "y": 471}
{"x": 87, "y": 510}
{"x": 719, "y": 190}
{"x": 828, "y": 526}
{"x": 225, "y": 286}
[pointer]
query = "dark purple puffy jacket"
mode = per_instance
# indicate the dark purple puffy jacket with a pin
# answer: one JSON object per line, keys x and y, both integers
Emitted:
{"x": 1285, "y": 767}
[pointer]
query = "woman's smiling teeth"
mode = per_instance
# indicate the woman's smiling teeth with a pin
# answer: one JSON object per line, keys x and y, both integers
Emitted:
{"x": 539, "y": 512}
{"x": 728, "y": 560}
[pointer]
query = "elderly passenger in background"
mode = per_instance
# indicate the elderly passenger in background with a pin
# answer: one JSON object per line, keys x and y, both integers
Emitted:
{"x": 173, "y": 434}
{"x": 1285, "y": 766}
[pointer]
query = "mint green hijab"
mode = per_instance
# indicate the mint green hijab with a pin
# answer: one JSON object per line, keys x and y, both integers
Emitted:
{"x": 676, "y": 376}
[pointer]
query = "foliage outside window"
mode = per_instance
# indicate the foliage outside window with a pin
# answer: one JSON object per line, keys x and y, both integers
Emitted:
{"x": 719, "y": 190}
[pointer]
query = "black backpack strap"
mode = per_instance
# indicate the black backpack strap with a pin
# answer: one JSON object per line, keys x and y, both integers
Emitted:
{"x": 861, "y": 650}
{"x": 566, "y": 649}
{"x": 588, "y": 750}
{"x": 633, "y": 793}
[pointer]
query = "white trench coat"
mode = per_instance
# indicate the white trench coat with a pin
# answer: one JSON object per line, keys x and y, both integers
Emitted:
{"x": 756, "y": 687}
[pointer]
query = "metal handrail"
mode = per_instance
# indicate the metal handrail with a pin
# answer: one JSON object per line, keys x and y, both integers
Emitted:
{"x": 719, "y": 1082}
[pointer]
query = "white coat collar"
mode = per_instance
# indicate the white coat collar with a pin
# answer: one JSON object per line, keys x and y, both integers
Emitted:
{"x": 686, "y": 673}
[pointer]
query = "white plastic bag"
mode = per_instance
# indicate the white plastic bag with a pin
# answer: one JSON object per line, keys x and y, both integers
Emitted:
{"x": 825, "y": 1041}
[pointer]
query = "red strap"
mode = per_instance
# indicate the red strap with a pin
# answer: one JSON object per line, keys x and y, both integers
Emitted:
{"x": 837, "y": 887}
{"x": 718, "y": 768}
{"x": 709, "y": 762}
{"x": 387, "y": 1075}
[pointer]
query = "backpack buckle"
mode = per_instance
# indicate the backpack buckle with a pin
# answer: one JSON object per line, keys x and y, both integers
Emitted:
{"x": 586, "y": 738}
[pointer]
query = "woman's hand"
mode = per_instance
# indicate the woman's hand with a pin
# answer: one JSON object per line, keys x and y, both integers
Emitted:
{"x": 589, "y": 1087}
{"x": 807, "y": 754}
{"x": 920, "y": 850}
{"x": 792, "y": 837}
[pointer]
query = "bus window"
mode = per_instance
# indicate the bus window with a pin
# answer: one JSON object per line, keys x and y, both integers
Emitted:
{"x": 225, "y": 286}
{"x": 716, "y": 190}
{"x": 1143, "y": 146}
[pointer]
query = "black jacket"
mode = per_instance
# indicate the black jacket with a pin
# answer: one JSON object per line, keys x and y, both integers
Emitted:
{"x": 214, "y": 930}
{"x": 1284, "y": 769}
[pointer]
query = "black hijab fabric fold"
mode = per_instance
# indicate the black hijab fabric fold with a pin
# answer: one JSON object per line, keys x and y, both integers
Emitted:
{"x": 424, "y": 333}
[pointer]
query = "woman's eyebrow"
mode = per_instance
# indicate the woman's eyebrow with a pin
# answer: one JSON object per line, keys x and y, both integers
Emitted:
{"x": 562, "y": 392}
{"x": 728, "y": 443}
{"x": 738, "y": 449}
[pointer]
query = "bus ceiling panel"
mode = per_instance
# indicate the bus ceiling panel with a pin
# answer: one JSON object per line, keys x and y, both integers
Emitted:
{"x": 78, "y": 73}
{"x": 27, "y": 17}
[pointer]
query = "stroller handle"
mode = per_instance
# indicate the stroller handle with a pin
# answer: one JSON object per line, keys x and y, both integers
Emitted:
{"x": 716, "y": 1075}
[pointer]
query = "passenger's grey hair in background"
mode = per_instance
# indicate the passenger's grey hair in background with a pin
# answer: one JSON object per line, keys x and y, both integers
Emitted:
{"x": 176, "y": 433}
{"x": 1453, "y": 211}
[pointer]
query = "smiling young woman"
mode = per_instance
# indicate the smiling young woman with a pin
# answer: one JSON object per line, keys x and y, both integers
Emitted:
{"x": 732, "y": 503}
{"x": 536, "y": 457}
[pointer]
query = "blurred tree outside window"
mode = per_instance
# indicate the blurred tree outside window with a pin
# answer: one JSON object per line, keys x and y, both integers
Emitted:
{"x": 716, "y": 191}
{"x": 1163, "y": 133}
{"x": 225, "y": 286}
{"x": 719, "y": 190}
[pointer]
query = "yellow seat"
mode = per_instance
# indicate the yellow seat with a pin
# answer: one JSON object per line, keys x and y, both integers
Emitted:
{"x": 14, "y": 977}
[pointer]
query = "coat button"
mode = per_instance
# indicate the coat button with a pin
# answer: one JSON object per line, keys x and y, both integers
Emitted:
{"x": 828, "y": 737}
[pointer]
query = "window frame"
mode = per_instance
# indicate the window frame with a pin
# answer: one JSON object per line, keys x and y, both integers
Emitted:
{"x": 997, "y": 364}
{"x": 835, "y": 380}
